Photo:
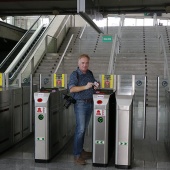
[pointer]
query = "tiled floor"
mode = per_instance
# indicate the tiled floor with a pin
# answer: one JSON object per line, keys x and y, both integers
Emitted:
{"x": 149, "y": 154}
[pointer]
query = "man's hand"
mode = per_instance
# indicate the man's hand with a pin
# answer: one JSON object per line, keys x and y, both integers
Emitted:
{"x": 88, "y": 85}
{"x": 96, "y": 85}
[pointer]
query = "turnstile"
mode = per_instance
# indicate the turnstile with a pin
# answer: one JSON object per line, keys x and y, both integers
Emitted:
{"x": 103, "y": 127}
{"x": 124, "y": 109}
{"x": 51, "y": 122}
{"x": 14, "y": 115}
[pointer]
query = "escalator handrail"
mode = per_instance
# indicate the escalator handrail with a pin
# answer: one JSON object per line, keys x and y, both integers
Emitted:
{"x": 32, "y": 55}
{"x": 19, "y": 42}
{"x": 21, "y": 65}
{"x": 22, "y": 52}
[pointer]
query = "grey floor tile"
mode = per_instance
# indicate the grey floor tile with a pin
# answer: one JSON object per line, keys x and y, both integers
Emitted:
{"x": 149, "y": 154}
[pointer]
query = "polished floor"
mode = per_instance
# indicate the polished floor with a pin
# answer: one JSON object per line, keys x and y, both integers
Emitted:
{"x": 149, "y": 154}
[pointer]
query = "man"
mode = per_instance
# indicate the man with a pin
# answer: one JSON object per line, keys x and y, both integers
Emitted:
{"x": 81, "y": 86}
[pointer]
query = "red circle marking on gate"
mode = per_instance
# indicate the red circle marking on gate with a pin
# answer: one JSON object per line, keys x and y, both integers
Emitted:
{"x": 99, "y": 102}
{"x": 39, "y": 100}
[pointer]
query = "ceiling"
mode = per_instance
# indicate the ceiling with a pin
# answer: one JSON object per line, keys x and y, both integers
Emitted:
{"x": 50, "y": 7}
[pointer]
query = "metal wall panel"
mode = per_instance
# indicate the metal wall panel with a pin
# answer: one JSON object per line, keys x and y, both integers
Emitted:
{"x": 5, "y": 120}
{"x": 17, "y": 114}
{"x": 25, "y": 111}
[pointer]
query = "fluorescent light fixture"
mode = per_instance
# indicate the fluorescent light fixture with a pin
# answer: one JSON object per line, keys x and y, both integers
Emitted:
{"x": 90, "y": 22}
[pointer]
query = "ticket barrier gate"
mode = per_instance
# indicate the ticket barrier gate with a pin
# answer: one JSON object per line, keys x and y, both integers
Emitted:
{"x": 123, "y": 155}
{"x": 49, "y": 139}
{"x": 103, "y": 127}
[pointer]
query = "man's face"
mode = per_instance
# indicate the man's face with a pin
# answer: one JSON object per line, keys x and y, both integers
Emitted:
{"x": 83, "y": 64}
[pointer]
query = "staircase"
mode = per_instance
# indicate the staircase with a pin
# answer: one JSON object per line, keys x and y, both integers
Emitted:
{"x": 139, "y": 55}
{"x": 91, "y": 44}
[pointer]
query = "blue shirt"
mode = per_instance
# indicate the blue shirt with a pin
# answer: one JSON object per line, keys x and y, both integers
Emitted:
{"x": 77, "y": 78}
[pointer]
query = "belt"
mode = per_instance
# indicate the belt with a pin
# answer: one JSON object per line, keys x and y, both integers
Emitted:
{"x": 87, "y": 100}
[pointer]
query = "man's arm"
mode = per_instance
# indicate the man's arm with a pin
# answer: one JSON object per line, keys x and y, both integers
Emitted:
{"x": 81, "y": 88}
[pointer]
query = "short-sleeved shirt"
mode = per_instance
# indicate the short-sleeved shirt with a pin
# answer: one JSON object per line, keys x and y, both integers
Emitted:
{"x": 77, "y": 78}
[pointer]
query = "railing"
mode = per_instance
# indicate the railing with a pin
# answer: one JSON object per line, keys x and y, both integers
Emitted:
{"x": 115, "y": 48}
{"x": 22, "y": 53}
{"x": 163, "y": 50}
{"x": 61, "y": 59}
{"x": 157, "y": 31}
{"x": 114, "y": 52}
{"x": 44, "y": 47}
{"x": 155, "y": 21}
{"x": 24, "y": 38}
{"x": 163, "y": 85}
{"x": 121, "y": 23}
{"x": 81, "y": 37}
{"x": 163, "y": 109}
{"x": 10, "y": 74}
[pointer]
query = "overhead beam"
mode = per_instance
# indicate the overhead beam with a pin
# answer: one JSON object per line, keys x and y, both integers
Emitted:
{"x": 82, "y": 8}
{"x": 90, "y": 22}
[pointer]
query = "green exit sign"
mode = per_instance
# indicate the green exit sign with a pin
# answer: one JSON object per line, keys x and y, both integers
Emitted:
{"x": 107, "y": 38}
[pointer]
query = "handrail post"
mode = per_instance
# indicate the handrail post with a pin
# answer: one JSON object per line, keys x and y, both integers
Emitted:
{"x": 155, "y": 19}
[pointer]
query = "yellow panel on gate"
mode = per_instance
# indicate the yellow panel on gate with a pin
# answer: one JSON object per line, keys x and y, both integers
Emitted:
{"x": 63, "y": 79}
{"x": 54, "y": 79}
{"x": 1, "y": 77}
{"x": 107, "y": 81}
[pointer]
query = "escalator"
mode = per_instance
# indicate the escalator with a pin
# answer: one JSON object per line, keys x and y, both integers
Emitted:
{"x": 19, "y": 55}
{"x": 25, "y": 51}
{"x": 9, "y": 37}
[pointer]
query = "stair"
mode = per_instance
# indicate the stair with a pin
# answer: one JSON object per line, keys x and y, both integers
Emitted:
{"x": 139, "y": 55}
{"x": 91, "y": 44}
{"x": 47, "y": 66}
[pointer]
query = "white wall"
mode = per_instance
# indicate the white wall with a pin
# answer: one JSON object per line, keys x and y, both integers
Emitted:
{"x": 79, "y": 21}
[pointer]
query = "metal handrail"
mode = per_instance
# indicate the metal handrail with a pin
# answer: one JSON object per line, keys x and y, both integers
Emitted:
{"x": 166, "y": 68}
{"x": 157, "y": 111}
{"x": 166, "y": 75}
{"x": 61, "y": 59}
{"x": 157, "y": 31}
{"x": 155, "y": 22}
{"x": 19, "y": 42}
{"x": 32, "y": 56}
{"x": 115, "y": 47}
{"x": 113, "y": 54}
{"x": 121, "y": 23}
{"x": 82, "y": 32}
{"x": 144, "y": 110}
{"x": 26, "y": 58}
{"x": 81, "y": 37}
